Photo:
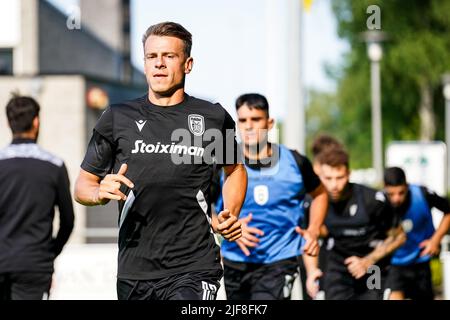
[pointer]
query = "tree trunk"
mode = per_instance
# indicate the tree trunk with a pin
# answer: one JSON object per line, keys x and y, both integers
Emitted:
{"x": 426, "y": 113}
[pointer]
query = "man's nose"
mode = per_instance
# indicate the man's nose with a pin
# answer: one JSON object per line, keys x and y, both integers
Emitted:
{"x": 159, "y": 62}
{"x": 334, "y": 184}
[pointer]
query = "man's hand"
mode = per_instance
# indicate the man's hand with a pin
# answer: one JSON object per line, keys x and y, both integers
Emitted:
{"x": 357, "y": 266}
{"x": 429, "y": 247}
{"x": 248, "y": 239}
{"x": 110, "y": 186}
{"x": 311, "y": 246}
{"x": 229, "y": 227}
{"x": 312, "y": 282}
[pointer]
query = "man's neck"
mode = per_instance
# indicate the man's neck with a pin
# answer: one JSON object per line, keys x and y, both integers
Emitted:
{"x": 344, "y": 196}
{"x": 166, "y": 101}
{"x": 255, "y": 153}
{"x": 25, "y": 136}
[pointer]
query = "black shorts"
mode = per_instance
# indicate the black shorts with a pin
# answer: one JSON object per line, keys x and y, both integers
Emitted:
{"x": 25, "y": 285}
{"x": 339, "y": 284}
{"x": 195, "y": 285}
{"x": 414, "y": 281}
{"x": 254, "y": 281}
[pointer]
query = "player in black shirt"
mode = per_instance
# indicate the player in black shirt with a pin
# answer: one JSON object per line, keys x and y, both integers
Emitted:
{"x": 360, "y": 234}
{"x": 163, "y": 148}
{"x": 320, "y": 144}
{"x": 32, "y": 183}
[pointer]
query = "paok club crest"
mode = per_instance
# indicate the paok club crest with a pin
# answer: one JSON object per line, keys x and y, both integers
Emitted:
{"x": 196, "y": 124}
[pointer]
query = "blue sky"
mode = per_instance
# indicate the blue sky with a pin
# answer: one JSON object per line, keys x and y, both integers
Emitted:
{"x": 230, "y": 43}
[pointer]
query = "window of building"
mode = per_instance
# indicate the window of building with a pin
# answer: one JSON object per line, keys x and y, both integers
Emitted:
{"x": 6, "y": 61}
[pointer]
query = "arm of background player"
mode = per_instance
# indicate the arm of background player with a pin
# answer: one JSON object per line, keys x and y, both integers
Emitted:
{"x": 358, "y": 266}
{"x": 431, "y": 246}
{"x": 318, "y": 211}
{"x": 313, "y": 273}
{"x": 395, "y": 238}
{"x": 66, "y": 215}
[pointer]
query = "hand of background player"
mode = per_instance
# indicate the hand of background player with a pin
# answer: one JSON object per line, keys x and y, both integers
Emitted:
{"x": 312, "y": 282}
{"x": 311, "y": 246}
{"x": 228, "y": 226}
{"x": 248, "y": 239}
{"x": 357, "y": 266}
{"x": 429, "y": 247}
{"x": 110, "y": 186}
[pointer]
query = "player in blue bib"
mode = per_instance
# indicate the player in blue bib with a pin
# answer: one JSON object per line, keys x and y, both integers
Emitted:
{"x": 263, "y": 263}
{"x": 410, "y": 274}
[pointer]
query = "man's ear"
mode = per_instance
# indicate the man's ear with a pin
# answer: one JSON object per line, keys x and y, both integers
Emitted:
{"x": 271, "y": 123}
{"x": 188, "y": 65}
{"x": 36, "y": 122}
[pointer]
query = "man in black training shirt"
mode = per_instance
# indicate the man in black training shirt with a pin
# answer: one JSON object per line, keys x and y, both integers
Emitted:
{"x": 32, "y": 183}
{"x": 360, "y": 234}
{"x": 163, "y": 148}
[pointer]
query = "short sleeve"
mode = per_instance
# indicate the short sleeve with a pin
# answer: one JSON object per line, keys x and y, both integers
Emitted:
{"x": 436, "y": 201}
{"x": 99, "y": 158}
{"x": 311, "y": 180}
{"x": 383, "y": 215}
{"x": 104, "y": 125}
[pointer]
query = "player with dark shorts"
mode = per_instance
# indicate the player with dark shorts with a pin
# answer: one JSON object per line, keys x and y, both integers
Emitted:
{"x": 262, "y": 264}
{"x": 410, "y": 274}
{"x": 167, "y": 143}
{"x": 32, "y": 183}
{"x": 360, "y": 234}
{"x": 320, "y": 144}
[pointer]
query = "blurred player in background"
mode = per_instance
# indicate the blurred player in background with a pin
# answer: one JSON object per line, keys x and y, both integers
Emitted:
{"x": 410, "y": 274}
{"x": 321, "y": 143}
{"x": 262, "y": 264}
{"x": 32, "y": 183}
{"x": 360, "y": 233}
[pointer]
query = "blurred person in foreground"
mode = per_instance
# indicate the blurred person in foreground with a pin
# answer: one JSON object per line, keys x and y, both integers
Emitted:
{"x": 156, "y": 155}
{"x": 410, "y": 274}
{"x": 32, "y": 183}
{"x": 360, "y": 234}
{"x": 262, "y": 264}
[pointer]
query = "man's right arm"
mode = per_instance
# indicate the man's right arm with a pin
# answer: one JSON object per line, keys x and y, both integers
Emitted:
{"x": 313, "y": 273}
{"x": 95, "y": 185}
{"x": 91, "y": 190}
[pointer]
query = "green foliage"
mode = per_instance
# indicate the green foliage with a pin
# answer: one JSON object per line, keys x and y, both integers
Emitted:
{"x": 417, "y": 51}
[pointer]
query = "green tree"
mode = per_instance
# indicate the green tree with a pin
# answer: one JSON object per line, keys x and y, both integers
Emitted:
{"x": 416, "y": 55}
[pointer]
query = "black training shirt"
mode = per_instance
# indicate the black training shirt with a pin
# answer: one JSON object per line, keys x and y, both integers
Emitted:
{"x": 165, "y": 222}
{"x": 32, "y": 183}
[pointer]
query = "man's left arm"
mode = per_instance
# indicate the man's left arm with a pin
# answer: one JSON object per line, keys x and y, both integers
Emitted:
{"x": 233, "y": 193}
{"x": 388, "y": 224}
{"x": 318, "y": 212}
{"x": 431, "y": 246}
{"x": 319, "y": 205}
{"x": 66, "y": 213}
